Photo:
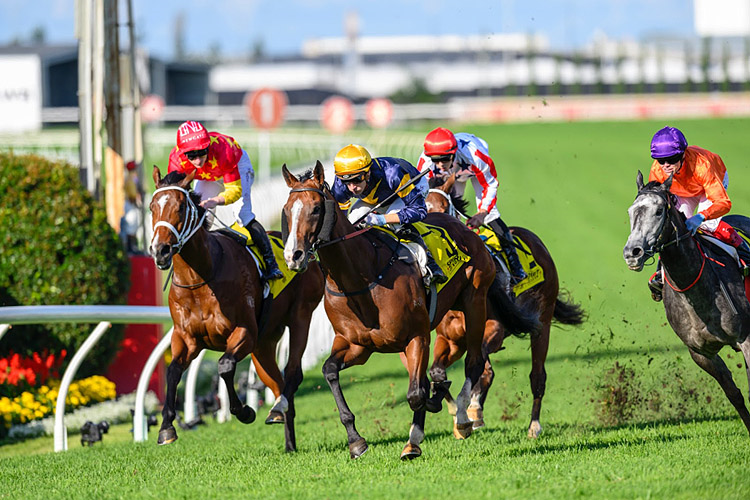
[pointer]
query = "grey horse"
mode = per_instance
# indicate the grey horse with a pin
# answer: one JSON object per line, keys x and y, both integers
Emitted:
{"x": 705, "y": 303}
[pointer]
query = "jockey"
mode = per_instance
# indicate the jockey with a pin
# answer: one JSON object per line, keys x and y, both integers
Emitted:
{"x": 217, "y": 157}
{"x": 699, "y": 182}
{"x": 372, "y": 180}
{"x": 468, "y": 157}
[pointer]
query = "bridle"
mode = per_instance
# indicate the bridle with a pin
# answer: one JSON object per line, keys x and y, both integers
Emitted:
{"x": 451, "y": 207}
{"x": 660, "y": 245}
{"x": 192, "y": 222}
{"x": 191, "y": 226}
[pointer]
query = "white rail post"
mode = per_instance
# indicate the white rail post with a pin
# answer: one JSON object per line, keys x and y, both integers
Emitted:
{"x": 252, "y": 396}
{"x": 223, "y": 415}
{"x": 61, "y": 432}
{"x": 140, "y": 428}
{"x": 190, "y": 382}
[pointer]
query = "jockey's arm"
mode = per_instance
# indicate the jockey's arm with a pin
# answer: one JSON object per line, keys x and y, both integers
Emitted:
{"x": 715, "y": 192}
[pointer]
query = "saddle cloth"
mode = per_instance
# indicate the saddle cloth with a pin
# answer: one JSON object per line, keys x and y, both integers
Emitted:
{"x": 274, "y": 286}
{"x": 448, "y": 256}
{"x": 534, "y": 272}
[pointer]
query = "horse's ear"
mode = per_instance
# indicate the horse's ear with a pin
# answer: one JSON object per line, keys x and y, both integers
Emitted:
{"x": 449, "y": 183}
{"x": 639, "y": 180}
{"x": 290, "y": 179}
{"x": 319, "y": 173}
{"x": 157, "y": 176}
{"x": 185, "y": 183}
{"x": 668, "y": 183}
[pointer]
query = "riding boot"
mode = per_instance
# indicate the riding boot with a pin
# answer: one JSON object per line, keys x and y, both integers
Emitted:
{"x": 656, "y": 284}
{"x": 260, "y": 238}
{"x": 727, "y": 234}
{"x": 517, "y": 273}
{"x": 408, "y": 232}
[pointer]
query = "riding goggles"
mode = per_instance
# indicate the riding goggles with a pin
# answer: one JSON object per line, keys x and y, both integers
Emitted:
{"x": 669, "y": 160}
{"x": 353, "y": 180}
{"x": 442, "y": 159}
{"x": 192, "y": 155}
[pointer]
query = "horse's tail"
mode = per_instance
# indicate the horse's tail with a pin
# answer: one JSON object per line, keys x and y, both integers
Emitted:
{"x": 567, "y": 312}
{"x": 517, "y": 318}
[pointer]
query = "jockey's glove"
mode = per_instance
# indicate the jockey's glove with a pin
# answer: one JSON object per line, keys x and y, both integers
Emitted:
{"x": 375, "y": 219}
{"x": 694, "y": 222}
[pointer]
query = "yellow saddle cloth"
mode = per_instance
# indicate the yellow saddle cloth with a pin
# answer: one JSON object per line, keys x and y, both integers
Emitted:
{"x": 276, "y": 286}
{"x": 448, "y": 256}
{"x": 534, "y": 272}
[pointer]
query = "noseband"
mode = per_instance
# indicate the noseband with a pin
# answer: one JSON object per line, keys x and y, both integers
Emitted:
{"x": 192, "y": 224}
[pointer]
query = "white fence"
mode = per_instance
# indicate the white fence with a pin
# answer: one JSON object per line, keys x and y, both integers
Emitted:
{"x": 319, "y": 343}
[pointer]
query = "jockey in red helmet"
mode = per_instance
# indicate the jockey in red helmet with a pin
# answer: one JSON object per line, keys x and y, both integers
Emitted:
{"x": 468, "y": 157}
{"x": 224, "y": 175}
{"x": 699, "y": 182}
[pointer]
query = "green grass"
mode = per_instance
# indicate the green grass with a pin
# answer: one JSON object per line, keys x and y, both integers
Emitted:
{"x": 572, "y": 185}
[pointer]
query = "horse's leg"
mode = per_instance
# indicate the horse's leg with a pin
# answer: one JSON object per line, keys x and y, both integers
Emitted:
{"x": 239, "y": 345}
{"x": 444, "y": 355}
{"x": 181, "y": 357}
{"x": 492, "y": 342}
{"x": 298, "y": 333}
{"x": 717, "y": 369}
{"x": 344, "y": 355}
{"x": 475, "y": 314}
{"x": 416, "y": 355}
{"x": 538, "y": 376}
{"x": 264, "y": 359}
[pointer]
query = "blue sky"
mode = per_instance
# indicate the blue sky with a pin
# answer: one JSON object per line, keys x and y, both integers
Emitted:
{"x": 282, "y": 25}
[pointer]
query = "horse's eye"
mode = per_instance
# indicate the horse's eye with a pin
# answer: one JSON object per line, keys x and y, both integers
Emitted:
{"x": 316, "y": 210}
{"x": 659, "y": 212}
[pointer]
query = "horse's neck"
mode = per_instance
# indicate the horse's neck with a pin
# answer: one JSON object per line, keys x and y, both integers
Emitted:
{"x": 682, "y": 260}
{"x": 349, "y": 262}
{"x": 195, "y": 256}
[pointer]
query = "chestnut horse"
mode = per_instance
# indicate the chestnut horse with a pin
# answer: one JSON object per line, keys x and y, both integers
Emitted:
{"x": 216, "y": 302}
{"x": 545, "y": 297}
{"x": 376, "y": 302}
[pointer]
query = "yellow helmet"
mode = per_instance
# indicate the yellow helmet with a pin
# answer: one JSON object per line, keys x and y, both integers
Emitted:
{"x": 352, "y": 160}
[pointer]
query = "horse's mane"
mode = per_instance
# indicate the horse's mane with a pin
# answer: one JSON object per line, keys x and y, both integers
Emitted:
{"x": 459, "y": 203}
{"x": 174, "y": 178}
{"x": 306, "y": 176}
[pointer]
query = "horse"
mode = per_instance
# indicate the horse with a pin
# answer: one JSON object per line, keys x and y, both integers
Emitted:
{"x": 376, "y": 302}
{"x": 216, "y": 302}
{"x": 545, "y": 297}
{"x": 706, "y": 304}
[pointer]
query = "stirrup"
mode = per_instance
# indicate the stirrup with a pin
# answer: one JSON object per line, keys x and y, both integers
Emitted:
{"x": 656, "y": 286}
{"x": 272, "y": 272}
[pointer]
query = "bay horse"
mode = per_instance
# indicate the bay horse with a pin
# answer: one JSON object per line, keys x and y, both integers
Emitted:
{"x": 545, "y": 297}
{"x": 706, "y": 304}
{"x": 216, "y": 302}
{"x": 377, "y": 303}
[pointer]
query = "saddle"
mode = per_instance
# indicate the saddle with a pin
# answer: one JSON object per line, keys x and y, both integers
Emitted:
{"x": 534, "y": 272}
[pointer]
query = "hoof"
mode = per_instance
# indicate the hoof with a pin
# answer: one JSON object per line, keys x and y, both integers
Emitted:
{"x": 433, "y": 406}
{"x": 167, "y": 436}
{"x": 275, "y": 417}
{"x": 246, "y": 415}
{"x": 411, "y": 451}
{"x": 535, "y": 428}
{"x": 477, "y": 424}
{"x": 462, "y": 431}
{"x": 357, "y": 448}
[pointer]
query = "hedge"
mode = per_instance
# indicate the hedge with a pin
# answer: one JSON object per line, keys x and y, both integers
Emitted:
{"x": 57, "y": 248}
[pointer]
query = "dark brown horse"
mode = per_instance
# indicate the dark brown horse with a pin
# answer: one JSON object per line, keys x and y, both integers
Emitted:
{"x": 216, "y": 302}
{"x": 545, "y": 297}
{"x": 376, "y": 302}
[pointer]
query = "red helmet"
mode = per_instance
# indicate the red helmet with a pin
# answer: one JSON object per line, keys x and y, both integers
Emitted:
{"x": 440, "y": 142}
{"x": 192, "y": 136}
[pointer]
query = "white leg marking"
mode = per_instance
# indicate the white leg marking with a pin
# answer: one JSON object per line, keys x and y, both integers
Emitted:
{"x": 462, "y": 402}
{"x": 416, "y": 435}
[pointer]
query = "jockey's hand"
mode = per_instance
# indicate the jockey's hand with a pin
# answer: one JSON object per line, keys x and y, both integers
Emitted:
{"x": 375, "y": 220}
{"x": 694, "y": 222}
{"x": 476, "y": 220}
{"x": 210, "y": 203}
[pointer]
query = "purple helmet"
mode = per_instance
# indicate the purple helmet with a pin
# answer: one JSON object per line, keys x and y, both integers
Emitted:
{"x": 667, "y": 142}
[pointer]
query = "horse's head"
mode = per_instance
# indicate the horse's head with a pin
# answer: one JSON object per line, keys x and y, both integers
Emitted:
{"x": 649, "y": 215}
{"x": 442, "y": 198}
{"x": 308, "y": 215}
{"x": 175, "y": 215}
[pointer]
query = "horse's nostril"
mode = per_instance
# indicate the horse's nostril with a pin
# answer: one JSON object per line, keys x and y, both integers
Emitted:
{"x": 164, "y": 251}
{"x": 637, "y": 252}
{"x": 297, "y": 255}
